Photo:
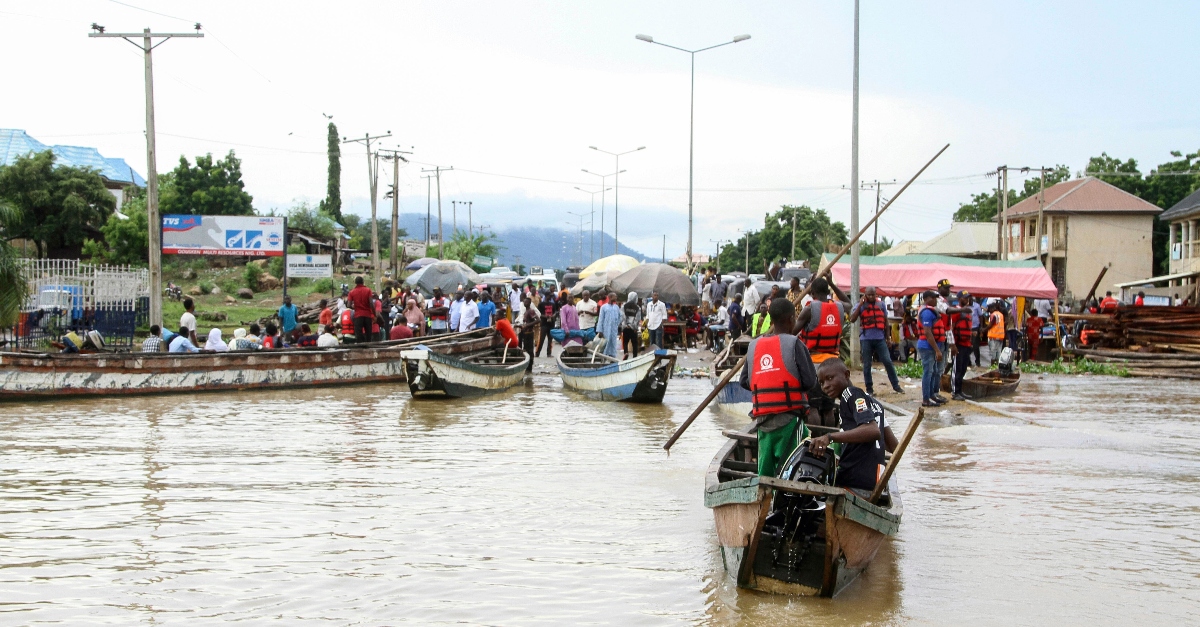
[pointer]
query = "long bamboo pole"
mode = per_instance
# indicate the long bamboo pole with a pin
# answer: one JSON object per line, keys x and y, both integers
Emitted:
{"x": 891, "y": 467}
{"x": 829, "y": 268}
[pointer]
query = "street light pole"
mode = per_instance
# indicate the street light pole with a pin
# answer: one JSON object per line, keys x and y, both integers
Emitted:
{"x": 617, "y": 193}
{"x": 603, "y": 182}
{"x": 155, "y": 222}
{"x": 592, "y": 219}
{"x": 854, "y": 248}
{"x": 691, "y": 123}
{"x": 580, "y": 216}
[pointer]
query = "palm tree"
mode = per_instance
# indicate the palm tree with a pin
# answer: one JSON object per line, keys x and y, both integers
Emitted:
{"x": 14, "y": 290}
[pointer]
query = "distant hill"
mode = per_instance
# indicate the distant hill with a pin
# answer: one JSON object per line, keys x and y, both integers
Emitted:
{"x": 546, "y": 247}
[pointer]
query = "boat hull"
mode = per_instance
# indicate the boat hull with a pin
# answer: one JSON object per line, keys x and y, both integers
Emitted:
{"x": 985, "y": 385}
{"x": 642, "y": 379}
{"x": 733, "y": 399}
{"x": 432, "y": 375}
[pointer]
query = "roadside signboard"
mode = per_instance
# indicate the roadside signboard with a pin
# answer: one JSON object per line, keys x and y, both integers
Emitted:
{"x": 309, "y": 266}
{"x": 414, "y": 250}
{"x": 235, "y": 236}
{"x": 483, "y": 262}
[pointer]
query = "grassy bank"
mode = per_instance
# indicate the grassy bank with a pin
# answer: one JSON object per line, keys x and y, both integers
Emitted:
{"x": 1078, "y": 366}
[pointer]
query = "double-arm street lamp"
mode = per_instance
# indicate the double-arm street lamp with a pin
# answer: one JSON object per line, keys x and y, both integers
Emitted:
{"x": 616, "y": 192}
{"x": 603, "y": 182}
{"x": 692, "y": 121}
{"x": 581, "y": 216}
{"x": 592, "y": 220}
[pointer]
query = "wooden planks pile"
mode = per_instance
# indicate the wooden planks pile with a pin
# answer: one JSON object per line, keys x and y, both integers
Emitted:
{"x": 1149, "y": 341}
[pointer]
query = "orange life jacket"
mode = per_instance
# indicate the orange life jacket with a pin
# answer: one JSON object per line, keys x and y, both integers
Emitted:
{"x": 1108, "y": 305}
{"x": 348, "y": 322}
{"x": 939, "y": 327}
{"x": 827, "y": 337}
{"x": 774, "y": 388}
{"x": 871, "y": 316}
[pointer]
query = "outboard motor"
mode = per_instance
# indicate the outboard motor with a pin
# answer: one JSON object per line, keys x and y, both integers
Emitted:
{"x": 796, "y": 519}
{"x": 1005, "y": 363}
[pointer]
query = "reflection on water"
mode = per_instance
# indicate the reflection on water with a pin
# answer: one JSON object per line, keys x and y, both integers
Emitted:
{"x": 357, "y": 505}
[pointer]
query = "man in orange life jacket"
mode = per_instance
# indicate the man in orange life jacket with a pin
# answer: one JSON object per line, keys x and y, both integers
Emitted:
{"x": 873, "y": 339}
{"x": 864, "y": 435}
{"x": 819, "y": 325}
{"x": 778, "y": 373}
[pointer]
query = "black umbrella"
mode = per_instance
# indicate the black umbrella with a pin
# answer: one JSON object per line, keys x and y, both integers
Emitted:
{"x": 448, "y": 275}
{"x": 672, "y": 285}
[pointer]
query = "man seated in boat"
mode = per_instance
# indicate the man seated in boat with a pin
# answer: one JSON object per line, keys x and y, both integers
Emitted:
{"x": 864, "y": 435}
{"x": 778, "y": 373}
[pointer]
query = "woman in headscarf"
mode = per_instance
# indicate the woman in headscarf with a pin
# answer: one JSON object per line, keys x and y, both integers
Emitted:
{"x": 569, "y": 321}
{"x": 414, "y": 316}
{"x": 609, "y": 324}
{"x": 214, "y": 342}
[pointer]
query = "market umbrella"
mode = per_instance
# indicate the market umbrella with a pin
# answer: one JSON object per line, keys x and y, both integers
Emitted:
{"x": 672, "y": 285}
{"x": 420, "y": 263}
{"x": 595, "y": 283}
{"x": 612, "y": 264}
{"x": 448, "y": 275}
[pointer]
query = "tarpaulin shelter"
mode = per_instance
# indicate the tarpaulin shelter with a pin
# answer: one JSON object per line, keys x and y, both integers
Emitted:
{"x": 912, "y": 274}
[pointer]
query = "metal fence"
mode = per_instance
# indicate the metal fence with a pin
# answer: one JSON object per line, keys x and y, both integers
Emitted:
{"x": 67, "y": 295}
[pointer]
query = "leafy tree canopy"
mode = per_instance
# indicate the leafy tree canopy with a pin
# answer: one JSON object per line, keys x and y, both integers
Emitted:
{"x": 815, "y": 235}
{"x": 212, "y": 188}
{"x": 54, "y": 206}
{"x": 332, "y": 204}
{"x": 305, "y": 217}
{"x": 464, "y": 247}
{"x": 14, "y": 289}
{"x": 126, "y": 240}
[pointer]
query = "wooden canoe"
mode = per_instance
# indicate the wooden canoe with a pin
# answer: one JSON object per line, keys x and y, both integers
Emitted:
{"x": 642, "y": 379}
{"x": 733, "y": 399}
{"x": 849, "y": 534}
{"x": 986, "y": 385}
{"x": 25, "y": 376}
{"x": 433, "y": 373}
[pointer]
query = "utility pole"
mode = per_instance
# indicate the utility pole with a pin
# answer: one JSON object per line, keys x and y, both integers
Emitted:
{"x": 470, "y": 218}
{"x": 664, "y": 258}
{"x": 1004, "y": 212}
{"x": 155, "y": 221}
{"x": 428, "y": 194}
{"x": 999, "y": 216}
{"x": 396, "y": 157}
{"x": 373, "y": 177}
{"x": 437, "y": 173}
{"x": 747, "y": 233}
{"x": 854, "y": 248}
{"x": 454, "y": 213}
{"x": 792, "y": 257}
{"x": 877, "y": 184}
{"x": 718, "y": 243}
{"x": 1041, "y": 206}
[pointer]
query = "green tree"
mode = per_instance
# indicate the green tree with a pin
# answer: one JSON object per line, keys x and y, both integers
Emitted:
{"x": 875, "y": 249}
{"x": 304, "y": 217}
{"x": 14, "y": 289}
{"x": 815, "y": 235}
{"x": 332, "y": 204}
{"x": 55, "y": 206}
{"x": 211, "y": 188}
{"x": 126, "y": 239}
{"x": 464, "y": 247}
{"x": 983, "y": 207}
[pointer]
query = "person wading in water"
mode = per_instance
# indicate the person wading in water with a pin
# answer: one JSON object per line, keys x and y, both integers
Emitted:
{"x": 778, "y": 373}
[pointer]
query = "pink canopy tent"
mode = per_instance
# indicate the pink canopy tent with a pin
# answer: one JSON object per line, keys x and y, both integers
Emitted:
{"x": 912, "y": 274}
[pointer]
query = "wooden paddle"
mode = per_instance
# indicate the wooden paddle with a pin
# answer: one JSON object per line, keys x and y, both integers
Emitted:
{"x": 845, "y": 249}
{"x": 897, "y": 454}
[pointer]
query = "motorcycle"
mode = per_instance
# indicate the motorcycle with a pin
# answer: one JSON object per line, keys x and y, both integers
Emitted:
{"x": 173, "y": 292}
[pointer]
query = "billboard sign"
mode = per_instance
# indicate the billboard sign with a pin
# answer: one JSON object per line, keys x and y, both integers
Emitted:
{"x": 238, "y": 236}
{"x": 309, "y": 266}
{"x": 413, "y": 250}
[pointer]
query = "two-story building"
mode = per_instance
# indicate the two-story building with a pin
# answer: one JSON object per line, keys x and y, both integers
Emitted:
{"x": 1183, "y": 240}
{"x": 1085, "y": 224}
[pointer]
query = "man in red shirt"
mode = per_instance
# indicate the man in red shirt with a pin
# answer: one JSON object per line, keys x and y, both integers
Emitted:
{"x": 400, "y": 331}
{"x": 359, "y": 300}
{"x": 1033, "y": 332}
{"x": 325, "y": 318}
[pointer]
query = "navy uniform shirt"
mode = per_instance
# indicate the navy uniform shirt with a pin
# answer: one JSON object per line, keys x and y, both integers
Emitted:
{"x": 859, "y": 463}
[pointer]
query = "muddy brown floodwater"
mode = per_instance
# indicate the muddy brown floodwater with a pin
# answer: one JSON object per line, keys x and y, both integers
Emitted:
{"x": 358, "y": 506}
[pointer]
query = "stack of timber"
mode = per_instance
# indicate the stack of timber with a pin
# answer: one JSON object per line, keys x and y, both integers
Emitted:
{"x": 1149, "y": 341}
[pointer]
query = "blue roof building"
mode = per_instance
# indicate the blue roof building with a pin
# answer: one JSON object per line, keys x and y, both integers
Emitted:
{"x": 115, "y": 172}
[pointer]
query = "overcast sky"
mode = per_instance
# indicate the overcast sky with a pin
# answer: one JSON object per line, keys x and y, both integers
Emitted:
{"x": 512, "y": 94}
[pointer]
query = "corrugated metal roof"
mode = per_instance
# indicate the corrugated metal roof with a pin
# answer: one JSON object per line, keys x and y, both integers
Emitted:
{"x": 15, "y": 143}
{"x": 964, "y": 238}
{"x": 906, "y": 247}
{"x": 1185, "y": 208}
{"x": 1085, "y": 195}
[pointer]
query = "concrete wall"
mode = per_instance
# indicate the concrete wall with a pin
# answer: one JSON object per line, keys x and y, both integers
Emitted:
{"x": 1096, "y": 239}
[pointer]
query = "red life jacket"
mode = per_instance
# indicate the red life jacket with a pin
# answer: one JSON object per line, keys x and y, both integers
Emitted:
{"x": 1108, "y": 305}
{"x": 962, "y": 329}
{"x": 871, "y": 316}
{"x": 438, "y": 302}
{"x": 547, "y": 309}
{"x": 827, "y": 337}
{"x": 939, "y": 327}
{"x": 774, "y": 389}
{"x": 348, "y": 322}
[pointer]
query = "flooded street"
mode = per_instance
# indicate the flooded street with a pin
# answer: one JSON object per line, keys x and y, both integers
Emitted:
{"x": 358, "y": 506}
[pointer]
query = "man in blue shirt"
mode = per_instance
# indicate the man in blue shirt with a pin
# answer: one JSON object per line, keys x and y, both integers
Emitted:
{"x": 931, "y": 347}
{"x": 181, "y": 344}
{"x": 487, "y": 309}
{"x": 976, "y": 338}
{"x": 287, "y": 317}
{"x": 872, "y": 338}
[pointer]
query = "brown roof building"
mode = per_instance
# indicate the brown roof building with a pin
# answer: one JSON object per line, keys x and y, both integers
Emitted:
{"x": 1085, "y": 224}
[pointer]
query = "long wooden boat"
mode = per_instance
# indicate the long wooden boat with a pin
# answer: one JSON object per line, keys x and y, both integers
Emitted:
{"x": 988, "y": 384}
{"x": 733, "y": 399}
{"x": 821, "y": 555}
{"x": 433, "y": 373}
{"x": 52, "y": 375}
{"x": 642, "y": 379}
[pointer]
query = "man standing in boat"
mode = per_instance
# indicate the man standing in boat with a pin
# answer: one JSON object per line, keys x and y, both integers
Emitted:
{"x": 864, "y": 435}
{"x": 820, "y": 326}
{"x": 778, "y": 373}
